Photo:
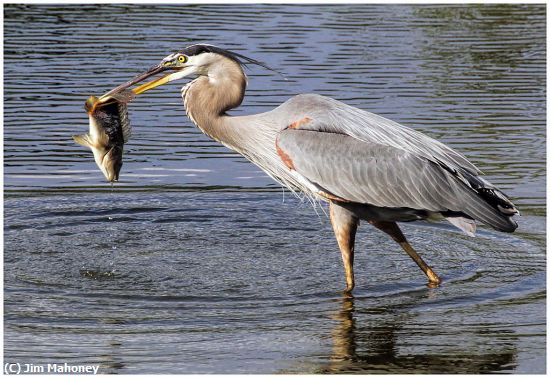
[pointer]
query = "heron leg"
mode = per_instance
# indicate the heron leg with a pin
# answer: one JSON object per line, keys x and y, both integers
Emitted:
{"x": 344, "y": 224}
{"x": 392, "y": 229}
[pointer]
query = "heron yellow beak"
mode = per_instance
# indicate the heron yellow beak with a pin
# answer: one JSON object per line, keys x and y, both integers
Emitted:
{"x": 153, "y": 84}
{"x": 163, "y": 80}
{"x": 152, "y": 71}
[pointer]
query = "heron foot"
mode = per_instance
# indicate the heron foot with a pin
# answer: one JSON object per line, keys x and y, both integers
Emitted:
{"x": 433, "y": 279}
{"x": 346, "y": 293}
{"x": 432, "y": 285}
{"x": 349, "y": 288}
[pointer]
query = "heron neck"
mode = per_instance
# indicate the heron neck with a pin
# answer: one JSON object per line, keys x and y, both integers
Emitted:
{"x": 208, "y": 98}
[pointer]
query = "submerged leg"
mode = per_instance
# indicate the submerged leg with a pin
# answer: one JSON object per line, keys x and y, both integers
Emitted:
{"x": 344, "y": 224}
{"x": 392, "y": 229}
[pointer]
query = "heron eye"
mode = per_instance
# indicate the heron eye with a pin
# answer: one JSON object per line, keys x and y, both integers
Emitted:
{"x": 182, "y": 59}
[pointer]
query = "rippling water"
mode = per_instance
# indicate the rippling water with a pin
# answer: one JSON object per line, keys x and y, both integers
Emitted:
{"x": 197, "y": 262}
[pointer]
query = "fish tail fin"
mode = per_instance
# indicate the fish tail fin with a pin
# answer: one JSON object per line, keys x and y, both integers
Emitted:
{"x": 83, "y": 140}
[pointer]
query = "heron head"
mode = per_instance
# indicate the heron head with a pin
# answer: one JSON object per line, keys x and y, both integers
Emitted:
{"x": 193, "y": 60}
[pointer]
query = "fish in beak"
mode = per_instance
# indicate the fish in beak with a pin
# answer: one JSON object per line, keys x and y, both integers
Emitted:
{"x": 109, "y": 124}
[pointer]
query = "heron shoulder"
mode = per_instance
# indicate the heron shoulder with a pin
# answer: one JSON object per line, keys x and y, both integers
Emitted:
{"x": 310, "y": 105}
{"x": 311, "y": 102}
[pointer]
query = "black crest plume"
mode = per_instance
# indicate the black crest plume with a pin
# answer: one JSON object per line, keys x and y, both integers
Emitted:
{"x": 239, "y": 58}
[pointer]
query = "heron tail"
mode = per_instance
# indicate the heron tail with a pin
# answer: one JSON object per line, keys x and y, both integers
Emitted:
{"x": 489, "y": 205}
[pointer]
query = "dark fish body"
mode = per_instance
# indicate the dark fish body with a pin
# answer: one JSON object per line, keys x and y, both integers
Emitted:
{"x": 109, "y": 130}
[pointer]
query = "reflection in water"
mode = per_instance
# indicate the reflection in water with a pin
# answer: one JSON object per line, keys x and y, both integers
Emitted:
{"x": 369, "y": 346}
{"x": 343, "y": 335}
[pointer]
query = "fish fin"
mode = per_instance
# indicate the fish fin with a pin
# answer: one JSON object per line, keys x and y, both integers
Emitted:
{"x": 465, "y": 224}
{"x": 125, "y": 122}
{"x": 124, "y": 96}
{"x": 83, "y": 140}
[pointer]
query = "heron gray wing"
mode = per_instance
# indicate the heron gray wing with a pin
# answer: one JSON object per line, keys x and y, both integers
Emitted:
{"x": 363, "y": 172}
{"x": 379, "y": 175}
{"x": 333, "y": 116}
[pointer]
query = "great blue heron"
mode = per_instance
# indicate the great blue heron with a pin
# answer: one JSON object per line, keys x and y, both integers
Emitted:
{"x": 366, "y": 166}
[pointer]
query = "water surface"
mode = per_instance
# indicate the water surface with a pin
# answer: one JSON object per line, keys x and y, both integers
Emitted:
{"x": 197, "y": 262}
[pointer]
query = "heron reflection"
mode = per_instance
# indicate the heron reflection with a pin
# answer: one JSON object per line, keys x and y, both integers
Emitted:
{"x": 373, "y": 346}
